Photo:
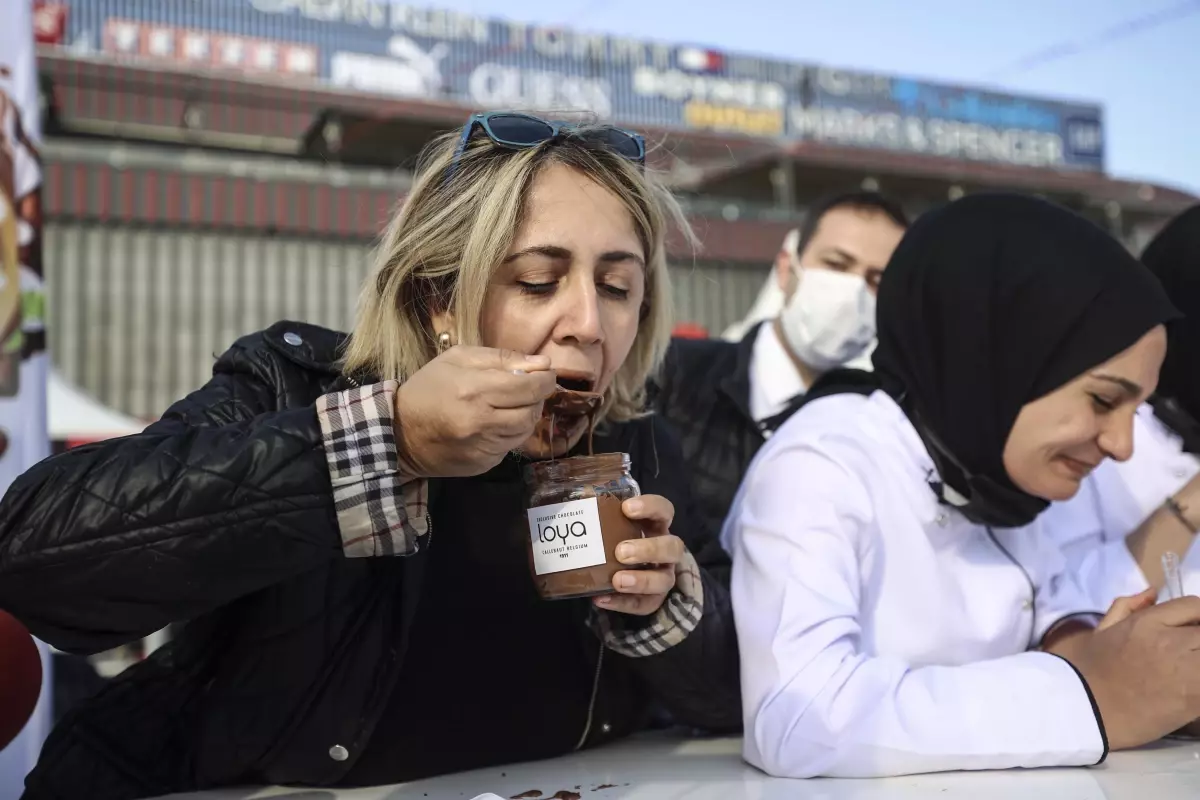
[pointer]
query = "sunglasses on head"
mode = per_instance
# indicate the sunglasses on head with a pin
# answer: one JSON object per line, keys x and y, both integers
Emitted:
{"x": 521, "y": 131}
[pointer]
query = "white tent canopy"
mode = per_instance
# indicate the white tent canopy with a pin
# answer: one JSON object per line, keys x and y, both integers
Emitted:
{"x": 75, "y": 415}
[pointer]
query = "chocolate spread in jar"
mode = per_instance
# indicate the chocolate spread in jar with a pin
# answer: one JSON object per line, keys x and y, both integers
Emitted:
{"x": 576, "y": 523}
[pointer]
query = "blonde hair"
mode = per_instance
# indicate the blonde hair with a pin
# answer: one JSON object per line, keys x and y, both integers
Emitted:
{"x": 440, "y": 250}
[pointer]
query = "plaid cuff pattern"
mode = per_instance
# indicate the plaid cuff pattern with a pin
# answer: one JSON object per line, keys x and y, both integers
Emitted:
{"x": 379, "y": 513}
{"x": 679, "y": 615}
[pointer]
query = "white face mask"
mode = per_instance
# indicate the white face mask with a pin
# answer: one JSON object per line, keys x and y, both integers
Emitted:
{"x": 830, "y": 319}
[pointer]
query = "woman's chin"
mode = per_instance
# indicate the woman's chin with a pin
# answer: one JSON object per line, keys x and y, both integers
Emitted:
{"x": 545, "y": 444}
{"x": 1058, "y": 488}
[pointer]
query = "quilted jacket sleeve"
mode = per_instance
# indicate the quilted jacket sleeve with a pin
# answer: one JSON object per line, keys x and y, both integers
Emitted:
{"x": 228, "y": 493}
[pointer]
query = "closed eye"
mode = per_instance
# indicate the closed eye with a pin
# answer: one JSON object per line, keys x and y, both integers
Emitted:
{"x": 541, "y": 289}
{"x": 615, "y": 291}
{"x": 537, "y": 288}
{"x": 1103, "y": 402}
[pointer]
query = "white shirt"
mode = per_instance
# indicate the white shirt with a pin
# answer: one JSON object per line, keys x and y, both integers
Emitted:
{"x": 1114, "y": 500}
{"x": 882, "y": 633}
{"x": 774, "y": 379}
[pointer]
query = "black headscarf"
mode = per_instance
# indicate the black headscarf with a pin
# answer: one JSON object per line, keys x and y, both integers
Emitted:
{"x": 1174, "y": 256}
{"x": 988, "y": 304}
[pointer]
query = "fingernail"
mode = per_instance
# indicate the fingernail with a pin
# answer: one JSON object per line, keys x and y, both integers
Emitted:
{"x": 625, "y": 581}
{"x": 634, "y": 506}
{"x": 519, "y": 372}
{"x": 624, "y": 551}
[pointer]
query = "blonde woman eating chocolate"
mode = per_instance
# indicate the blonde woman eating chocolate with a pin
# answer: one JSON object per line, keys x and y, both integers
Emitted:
{"x": 363, "y": 534}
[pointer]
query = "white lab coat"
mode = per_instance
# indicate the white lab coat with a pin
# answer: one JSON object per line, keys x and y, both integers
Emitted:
{"x": 882, "y": 633}
{"x": 1116, "y": 498}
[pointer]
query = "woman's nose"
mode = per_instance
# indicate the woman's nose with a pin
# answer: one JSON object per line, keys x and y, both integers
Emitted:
{"x": 581, "y": 315}
{"x": 1116, "y": 440}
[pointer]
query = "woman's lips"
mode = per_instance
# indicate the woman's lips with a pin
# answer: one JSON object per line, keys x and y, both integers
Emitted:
{"x": 1080, "y": 469}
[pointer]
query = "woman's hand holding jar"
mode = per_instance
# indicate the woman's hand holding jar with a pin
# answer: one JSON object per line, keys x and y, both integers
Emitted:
{"x": 643, "y": 591}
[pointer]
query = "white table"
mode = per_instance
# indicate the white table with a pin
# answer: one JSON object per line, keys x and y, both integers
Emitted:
{"x": 654, "y": 767}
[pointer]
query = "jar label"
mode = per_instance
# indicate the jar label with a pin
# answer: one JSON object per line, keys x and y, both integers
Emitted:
{"x": 566, "y": 536}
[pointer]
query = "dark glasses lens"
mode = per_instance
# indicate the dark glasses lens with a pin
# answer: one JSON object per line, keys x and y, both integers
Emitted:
{"x": 620, "y": 142}
{"x": 519, "y": 130}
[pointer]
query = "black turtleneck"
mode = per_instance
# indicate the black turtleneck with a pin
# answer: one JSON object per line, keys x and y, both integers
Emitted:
{"x": 493, "y": 674}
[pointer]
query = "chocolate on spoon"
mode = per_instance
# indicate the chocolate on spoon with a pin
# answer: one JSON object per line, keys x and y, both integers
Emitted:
{"x": 571, "y": 403}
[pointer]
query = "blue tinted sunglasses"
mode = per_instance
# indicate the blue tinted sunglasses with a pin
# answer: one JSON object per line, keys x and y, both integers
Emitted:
{"x": 520, "y": 131}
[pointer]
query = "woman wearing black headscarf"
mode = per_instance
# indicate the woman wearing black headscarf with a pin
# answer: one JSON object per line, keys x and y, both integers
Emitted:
{"x": 1127, "y": 515}
{"x": 898, "y": 607}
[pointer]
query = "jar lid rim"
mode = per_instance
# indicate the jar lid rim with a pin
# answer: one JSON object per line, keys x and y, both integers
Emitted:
{"x": 576, "y": 464}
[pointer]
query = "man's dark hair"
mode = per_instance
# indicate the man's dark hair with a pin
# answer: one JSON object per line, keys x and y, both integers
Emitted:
{"x": 871, "y": 202}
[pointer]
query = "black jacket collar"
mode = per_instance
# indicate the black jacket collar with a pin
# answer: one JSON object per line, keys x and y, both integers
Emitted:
{"x": 308, "y": 345}
{"x": 736, "y": 384}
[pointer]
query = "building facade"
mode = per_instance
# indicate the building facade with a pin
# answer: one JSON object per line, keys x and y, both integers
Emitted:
{"x": 214, "y": 166}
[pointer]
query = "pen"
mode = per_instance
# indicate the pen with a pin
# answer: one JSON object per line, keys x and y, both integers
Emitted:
{"x": 1174, "y": 581}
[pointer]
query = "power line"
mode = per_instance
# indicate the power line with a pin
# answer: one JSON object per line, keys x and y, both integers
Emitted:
{"x": 1121, "y": 30}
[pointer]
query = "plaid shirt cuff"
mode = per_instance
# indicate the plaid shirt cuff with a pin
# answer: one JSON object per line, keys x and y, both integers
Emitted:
{"x": 637, "y": 637}
{"x": 379, "y": 512}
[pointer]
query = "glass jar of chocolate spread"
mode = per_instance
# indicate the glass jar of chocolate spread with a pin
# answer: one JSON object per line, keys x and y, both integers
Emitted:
{"x": 576, "y": 523}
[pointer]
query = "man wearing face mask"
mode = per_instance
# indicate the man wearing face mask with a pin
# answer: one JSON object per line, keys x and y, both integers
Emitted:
{"x": 725, "y": 398}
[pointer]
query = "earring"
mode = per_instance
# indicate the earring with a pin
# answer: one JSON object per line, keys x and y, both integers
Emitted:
{"x": 443, "y": 341}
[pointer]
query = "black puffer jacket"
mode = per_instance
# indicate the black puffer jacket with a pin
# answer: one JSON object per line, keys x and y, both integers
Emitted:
{"x": 704, "y": 393}
{"x": 221, "y": 514}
